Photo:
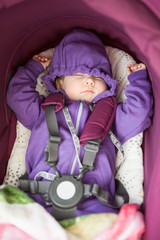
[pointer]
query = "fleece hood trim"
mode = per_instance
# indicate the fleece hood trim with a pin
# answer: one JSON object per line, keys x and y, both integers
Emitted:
{"x": 80, "y": 51}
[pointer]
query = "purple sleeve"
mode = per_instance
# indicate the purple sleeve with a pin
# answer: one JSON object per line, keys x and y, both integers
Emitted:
{"x": 22, "y": 97}
{"x": 134, "y": 115}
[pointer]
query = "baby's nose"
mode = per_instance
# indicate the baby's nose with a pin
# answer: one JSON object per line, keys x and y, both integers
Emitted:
{"x": 89, "y": 80}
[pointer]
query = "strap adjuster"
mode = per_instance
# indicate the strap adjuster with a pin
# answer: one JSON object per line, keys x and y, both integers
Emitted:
{"x": 55, "y": 139}
{"x": 92, "y": 146}
{"x": 51, "y": 149}
{"x": 33, "y": 187}
{"x": 29, "y": 185}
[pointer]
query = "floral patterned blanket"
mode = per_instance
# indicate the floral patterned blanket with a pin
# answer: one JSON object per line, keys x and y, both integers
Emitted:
{"x": 22, "y": 218}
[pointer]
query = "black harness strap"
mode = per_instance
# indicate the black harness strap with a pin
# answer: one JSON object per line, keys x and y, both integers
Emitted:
{"x": 66, "y": 208}
{"x": 51, "y": 150}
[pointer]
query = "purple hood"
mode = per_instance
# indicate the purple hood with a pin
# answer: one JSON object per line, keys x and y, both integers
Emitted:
{"x": 80, "y": 51}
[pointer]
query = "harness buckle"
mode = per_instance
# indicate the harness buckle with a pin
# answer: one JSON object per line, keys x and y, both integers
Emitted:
{"x": 66, "y": 192}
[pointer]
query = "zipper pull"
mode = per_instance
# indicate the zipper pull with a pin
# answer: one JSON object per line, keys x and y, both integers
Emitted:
{"x": 92, "y": 106}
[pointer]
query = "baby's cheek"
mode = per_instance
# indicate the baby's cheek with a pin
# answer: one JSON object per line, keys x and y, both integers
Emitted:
{"x": 72, "y": 95}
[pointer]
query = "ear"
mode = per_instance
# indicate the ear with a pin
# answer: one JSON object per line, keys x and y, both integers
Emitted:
{"x": 59, "y": 82}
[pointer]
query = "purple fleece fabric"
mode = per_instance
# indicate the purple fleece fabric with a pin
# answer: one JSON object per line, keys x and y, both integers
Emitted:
{"x": 80, "y": 51}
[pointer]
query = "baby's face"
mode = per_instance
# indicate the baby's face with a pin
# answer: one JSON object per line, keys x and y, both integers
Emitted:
{"x": 83, "y": 86}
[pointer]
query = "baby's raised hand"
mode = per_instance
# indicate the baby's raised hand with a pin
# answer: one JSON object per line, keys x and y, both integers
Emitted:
{"x": 43, "y": 60}
{"x": 135, "y": 68}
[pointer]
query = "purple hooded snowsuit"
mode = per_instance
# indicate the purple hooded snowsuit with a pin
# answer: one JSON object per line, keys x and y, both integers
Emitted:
{"x": 79, "y": 51}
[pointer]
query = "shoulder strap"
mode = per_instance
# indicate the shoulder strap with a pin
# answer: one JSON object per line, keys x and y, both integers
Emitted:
{"x": 54, "y": 136}
{"x": 55, "y": 99}
{"x": 100, "y": 120}
{"x": 52, "y": 104}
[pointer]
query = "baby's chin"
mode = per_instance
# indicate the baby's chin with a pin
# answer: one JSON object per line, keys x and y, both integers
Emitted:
{"x": 87, "y": 100}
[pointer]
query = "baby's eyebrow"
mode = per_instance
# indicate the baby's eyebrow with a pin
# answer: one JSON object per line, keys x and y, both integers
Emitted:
{"x": 81, "y": 74}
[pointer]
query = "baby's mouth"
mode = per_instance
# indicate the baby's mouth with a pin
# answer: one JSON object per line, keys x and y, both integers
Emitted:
{"x": 88, "y": 91}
